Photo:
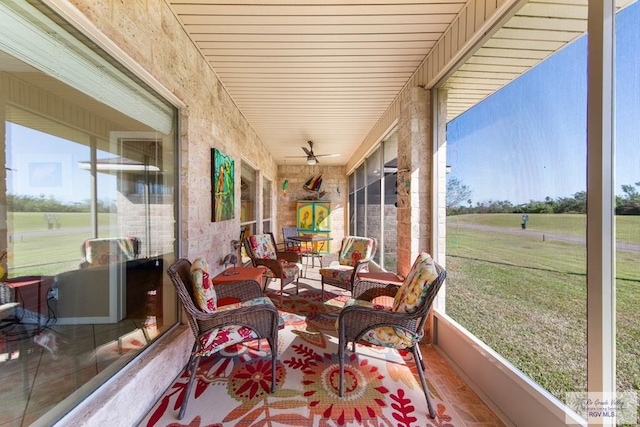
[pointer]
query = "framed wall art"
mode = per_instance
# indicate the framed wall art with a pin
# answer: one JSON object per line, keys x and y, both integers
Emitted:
{"x": 222, "y": 186}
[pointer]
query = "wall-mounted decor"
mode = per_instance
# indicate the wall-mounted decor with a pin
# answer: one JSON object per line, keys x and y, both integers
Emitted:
{"x": 313, "y": 186}
{"x": 222, "y": 186}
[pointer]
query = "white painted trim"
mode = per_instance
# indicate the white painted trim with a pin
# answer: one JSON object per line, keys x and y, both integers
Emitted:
{"x": 601, "y": 284}
{"x": 515, "y": 397}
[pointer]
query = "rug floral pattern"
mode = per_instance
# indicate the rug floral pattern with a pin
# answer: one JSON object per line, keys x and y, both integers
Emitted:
{"x": 232, "y": 388}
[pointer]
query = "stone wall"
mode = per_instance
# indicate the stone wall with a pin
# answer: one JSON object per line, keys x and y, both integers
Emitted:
{"x": 334, "y": 184}
{"x": 414, "y": 176}
{"x": 152, "y": 36}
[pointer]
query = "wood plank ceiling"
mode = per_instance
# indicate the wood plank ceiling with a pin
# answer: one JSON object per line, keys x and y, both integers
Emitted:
{"x": 326, "y": 70}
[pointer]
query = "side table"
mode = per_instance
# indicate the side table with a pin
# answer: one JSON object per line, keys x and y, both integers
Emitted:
{"x": 244, "y": 273}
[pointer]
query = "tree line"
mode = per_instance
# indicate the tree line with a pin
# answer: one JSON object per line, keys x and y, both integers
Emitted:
{"x": 18, "y": 203}
{"x": 459, "y": 202}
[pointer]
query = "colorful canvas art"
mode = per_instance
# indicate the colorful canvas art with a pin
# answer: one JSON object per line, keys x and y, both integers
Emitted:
{"x": 222, "y": 185}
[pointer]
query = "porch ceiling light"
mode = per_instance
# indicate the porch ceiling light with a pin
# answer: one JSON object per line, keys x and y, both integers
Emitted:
{"x": 311, "y": 160}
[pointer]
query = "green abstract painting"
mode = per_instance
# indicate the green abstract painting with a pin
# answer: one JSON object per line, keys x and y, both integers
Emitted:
{"x": 222, "y": 184}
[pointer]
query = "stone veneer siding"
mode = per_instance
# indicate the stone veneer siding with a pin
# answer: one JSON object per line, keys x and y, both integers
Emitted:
{"x": 414, "y": 176}
{"x": 334, "y": 183}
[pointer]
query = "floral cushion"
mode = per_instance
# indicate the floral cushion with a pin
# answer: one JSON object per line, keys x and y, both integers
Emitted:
{"x": 385, "y": 336}
{"x": 203, "y": 291}
{"x": 289, "y": 269}
{"x": 262, "y": 246}
{"x": 340, "y": 273}
{"x": 354, "y": 249}
{"x": 219, "y": 338}
{"x": 415, "y": 286}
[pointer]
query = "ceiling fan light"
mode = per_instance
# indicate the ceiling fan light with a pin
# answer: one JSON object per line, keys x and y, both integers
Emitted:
{"x": 311, "y": 160}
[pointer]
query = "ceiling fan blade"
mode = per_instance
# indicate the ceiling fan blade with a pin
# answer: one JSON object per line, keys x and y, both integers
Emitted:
{"x": 328, "y": 155}
{"x": 306, "y": 150}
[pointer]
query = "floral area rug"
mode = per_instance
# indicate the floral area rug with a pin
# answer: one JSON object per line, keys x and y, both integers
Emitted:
{"x": 232, "y": 388}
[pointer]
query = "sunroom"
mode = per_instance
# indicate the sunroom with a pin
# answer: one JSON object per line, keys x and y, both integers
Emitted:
{"x": 458, "y": 128}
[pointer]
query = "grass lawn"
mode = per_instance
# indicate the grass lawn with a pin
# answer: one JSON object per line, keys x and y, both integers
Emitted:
{"x": 627, "y": 227}
{"x": 35, "y": 249}
{"x": 526, "y": 298}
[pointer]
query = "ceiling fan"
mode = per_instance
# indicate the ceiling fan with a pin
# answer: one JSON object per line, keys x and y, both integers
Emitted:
{"x": 312, "y": 158}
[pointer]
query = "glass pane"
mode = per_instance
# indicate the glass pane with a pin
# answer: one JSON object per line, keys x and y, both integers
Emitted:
{"x": 516, "y": 221}
{"x": 627, "y": 178}
{"x": 352, "y": 214}
{"x": 360, "y": 213}
{"x": 374, "y": 203}
{"x": 360, "y": 177}
{"x": 390, "y": 220}
{"x": 248, "y": 194}
{"x": 266, "y": 199}
{"x": 88, "y": 232}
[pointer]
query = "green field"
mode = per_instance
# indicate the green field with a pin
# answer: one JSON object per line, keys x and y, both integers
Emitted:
{"x": 627, "y": 227}
{"x": 526, "y": 297}
{"x": 36, "y": 249}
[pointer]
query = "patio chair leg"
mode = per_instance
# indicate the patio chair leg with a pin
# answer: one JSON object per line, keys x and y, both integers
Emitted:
{"x": 273, "y": 343}
{"x": 192, "y": 377}
{"x": 341, "y": 348}
{"x": 425, "y": 388}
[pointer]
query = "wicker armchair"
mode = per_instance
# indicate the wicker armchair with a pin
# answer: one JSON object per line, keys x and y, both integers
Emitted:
{"x": 253, "y": 317}
{"x": 400, "y": 326}
{"x": 341, "y": 269}
{"x": 283, "y": 265}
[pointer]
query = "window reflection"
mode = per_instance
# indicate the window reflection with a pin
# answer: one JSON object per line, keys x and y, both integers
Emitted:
{"x": 87, "y": 231}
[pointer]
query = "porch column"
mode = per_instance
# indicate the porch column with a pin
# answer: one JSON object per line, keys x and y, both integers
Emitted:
{"x": 414, "y": 176}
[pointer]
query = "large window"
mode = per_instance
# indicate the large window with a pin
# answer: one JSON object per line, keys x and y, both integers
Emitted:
{"x": 627, "y": 200}
{"x": 248, "y": 200}
{"x": 266, "y": 205}
{"x": 87, "y": 226}
{"x": 517, "y": 218}
{"x": 372, "y": 201}
{"x": 374, "y": 198}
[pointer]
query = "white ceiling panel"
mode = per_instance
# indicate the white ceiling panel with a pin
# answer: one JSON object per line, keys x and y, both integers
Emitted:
{"x": 326, "y": 70}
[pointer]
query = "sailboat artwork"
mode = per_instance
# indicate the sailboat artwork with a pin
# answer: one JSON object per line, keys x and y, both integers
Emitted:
{"x": 313, "y": 186}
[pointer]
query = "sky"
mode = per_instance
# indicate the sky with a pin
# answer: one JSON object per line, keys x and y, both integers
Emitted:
{"x": 49, "y": 166}
{"x": 528, "y": 140}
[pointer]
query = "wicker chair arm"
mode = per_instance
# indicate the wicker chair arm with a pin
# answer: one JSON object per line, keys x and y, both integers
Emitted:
{"x": 244, "y": 290}
{"x": 272, "y": 264}
{"x": 356, "y": 320}
{"x": 368, "y": 290}
{"x": 289, "y": 256}
{"x": 263, "y": 318}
